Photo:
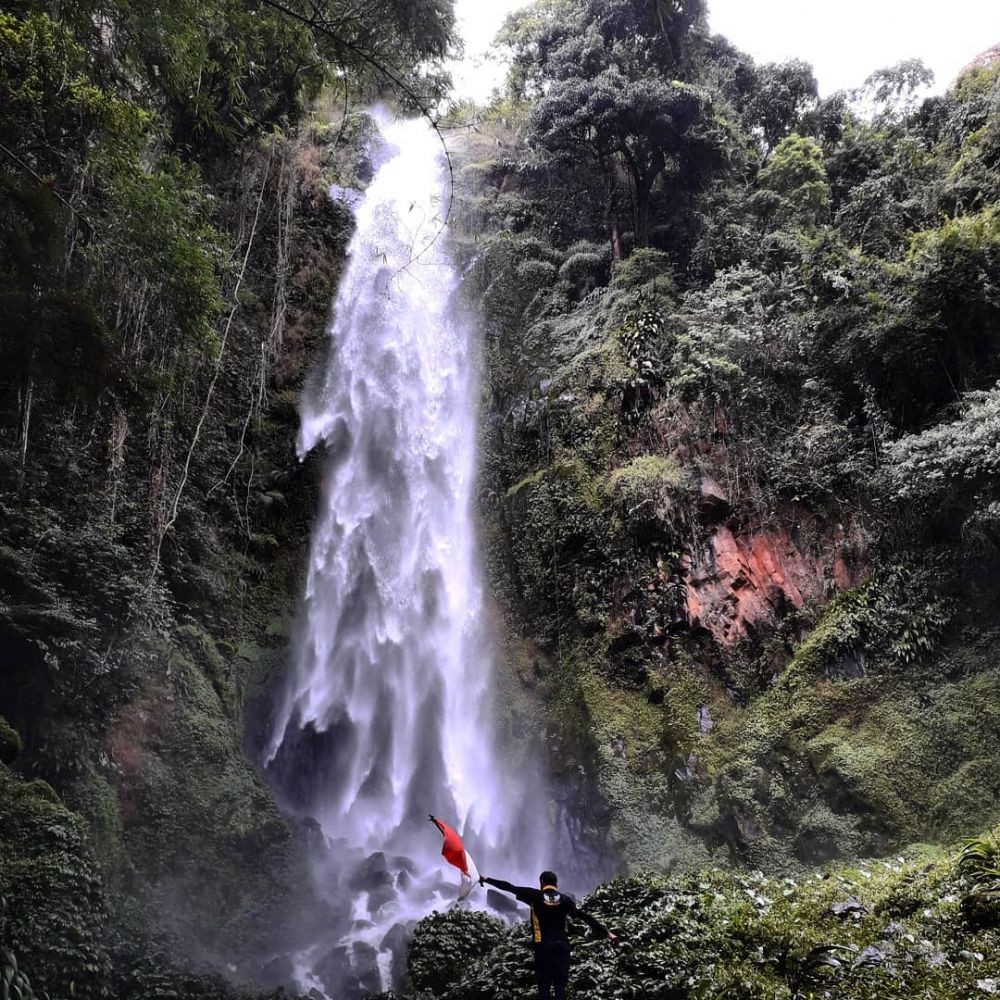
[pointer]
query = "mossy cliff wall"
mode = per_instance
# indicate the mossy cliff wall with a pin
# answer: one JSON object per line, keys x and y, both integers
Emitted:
{"x": 721, "y": 695}
{"x": 753, "y": 639}
{"x": 141, "y": 615}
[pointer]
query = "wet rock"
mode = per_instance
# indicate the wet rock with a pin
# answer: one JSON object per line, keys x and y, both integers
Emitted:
{"x": 372, "y": 874}
{"x": 365, "y": 169}
{"x": 851, "y": 907}
{"x": 849, "y": 667}
{"x": 894, "y": 930}
{"x": 687, "y": 771}
{"x": 713, "y": 503}
{"x": 401, "y": 863}
{"x": 374, "y": 877}
{"x": 396, "y": 942}
{"x": 705, "y": 723}
{"x": 747, "y": 826}
{"x": 349, "y": 973}
{"x": 278, "y": 972}
{"x": 736, "y": 583}
{"x": 333, "y": 968}
{"x": 870, "y": 956}
{"x": 737, "y": 586}
{"x": 350, "y": 197}
{"x": 312, "y": 764}
{"x": 364, "y": 963}
{"x": 313, "y": 834}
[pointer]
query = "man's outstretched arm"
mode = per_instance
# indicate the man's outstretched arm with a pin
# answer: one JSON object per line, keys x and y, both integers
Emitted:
{"x": 525, "y": 893}
{"x": 595, "y": 925}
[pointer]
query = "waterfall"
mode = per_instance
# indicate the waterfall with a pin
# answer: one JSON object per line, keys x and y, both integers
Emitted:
{"x": 387, "y": 711}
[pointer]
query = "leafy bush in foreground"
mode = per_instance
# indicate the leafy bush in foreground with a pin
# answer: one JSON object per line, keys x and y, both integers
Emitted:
{"x": 893, "y": 929}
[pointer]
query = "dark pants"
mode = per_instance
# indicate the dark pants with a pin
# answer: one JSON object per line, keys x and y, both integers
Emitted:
{"x": 552, "y": 969}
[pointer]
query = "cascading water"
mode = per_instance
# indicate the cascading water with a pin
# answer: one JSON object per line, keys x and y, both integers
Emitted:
{"x": 387, "y": 712}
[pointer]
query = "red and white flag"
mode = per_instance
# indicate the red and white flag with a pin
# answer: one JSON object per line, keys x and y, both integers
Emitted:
{"x": 454, "y": 852}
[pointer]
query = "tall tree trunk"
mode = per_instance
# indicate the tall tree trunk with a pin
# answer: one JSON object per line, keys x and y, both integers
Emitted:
{"x": 616, "y": 242}
{"x": 643, "y": 191}
{"x": 643, "y": 180}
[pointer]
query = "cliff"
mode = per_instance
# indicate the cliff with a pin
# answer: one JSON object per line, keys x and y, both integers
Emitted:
{"x": 730, "y": 517}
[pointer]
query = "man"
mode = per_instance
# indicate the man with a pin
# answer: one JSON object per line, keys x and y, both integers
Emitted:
{"x": 550, "y": 909}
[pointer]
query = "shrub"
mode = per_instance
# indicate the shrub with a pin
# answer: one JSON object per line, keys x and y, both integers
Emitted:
{"x": 646, "y": 486}
{"x": 643, "y": 266}
{"x": 10, "y": 742}
{"x": 445, "y": 943}
{"x": 584, "y": 272}
{"x": 54, "y": 900}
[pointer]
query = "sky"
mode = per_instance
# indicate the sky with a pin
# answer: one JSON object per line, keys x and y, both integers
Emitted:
{"x": 825, "y": 33}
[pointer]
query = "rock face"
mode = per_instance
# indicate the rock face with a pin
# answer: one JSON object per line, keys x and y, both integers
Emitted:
{"x": 738, "y": 583}
{"x": 984, "y": 60}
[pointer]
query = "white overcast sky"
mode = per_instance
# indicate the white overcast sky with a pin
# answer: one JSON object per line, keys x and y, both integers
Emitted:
{"x": 845, "y": 40}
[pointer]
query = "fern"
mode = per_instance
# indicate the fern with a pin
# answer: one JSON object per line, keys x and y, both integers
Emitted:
{"x": 980, "y": 860}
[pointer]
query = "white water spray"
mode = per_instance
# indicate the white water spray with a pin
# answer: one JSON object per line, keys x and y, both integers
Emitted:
{"x": 387, "y": 715}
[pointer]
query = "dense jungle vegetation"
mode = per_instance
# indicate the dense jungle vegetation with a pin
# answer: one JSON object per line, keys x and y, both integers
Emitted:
{"x": 741, "y": 457}
{"x": 168, "y": 251}
{"x": 740, "y": 489}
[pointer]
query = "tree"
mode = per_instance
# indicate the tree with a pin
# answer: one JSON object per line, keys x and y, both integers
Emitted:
{"x": 781, "y": 95}
{"x": 653, "y": 127}
{"x": 796, "y": 174}
{"x": 613, "y": 90}
{"x": 892, "y": 92}
{"x": 529, "y": 35}
{"x": 667, "y": 35}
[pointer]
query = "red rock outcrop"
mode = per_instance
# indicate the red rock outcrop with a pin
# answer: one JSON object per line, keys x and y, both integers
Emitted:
{"x": 737, "y": 584}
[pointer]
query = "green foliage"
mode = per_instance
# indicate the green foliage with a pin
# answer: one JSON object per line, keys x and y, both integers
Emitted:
{"x": 446, "y": 943}
{"x": 561, "y": 510}
{"x": 14, "y": 984}
{"x": 954, "y": 464}
{"x": 813, "y": 341}
{"x": 901, "y": 934}
{"x": 653, "y": 126}
{"x": 603, "y": 97}
{"x": 795, "y": 172}
{"x": 644, "y": 267}
{"x": 779, "y": 98}
{"x": 174, "y": 252}
{"x": 893, "y": 618}
{"x": 54, "y": 915}
{"x": 892, "y": 92}
{"x": 10, "y": 742}
{"x": 976, "y": 82}
{"x": 646, "y": 485}
{"x": 980, "y": 859}
{"x": 167, "y": 256}
{"x": 584, "y": 271}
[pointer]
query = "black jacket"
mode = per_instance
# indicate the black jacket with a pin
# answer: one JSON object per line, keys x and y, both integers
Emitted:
{"x": 550, "y": 909}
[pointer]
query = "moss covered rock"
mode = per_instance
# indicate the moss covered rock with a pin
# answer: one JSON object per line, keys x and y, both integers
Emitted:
{"x": 55, "y": 909}
{"x": 10, "y": 742}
